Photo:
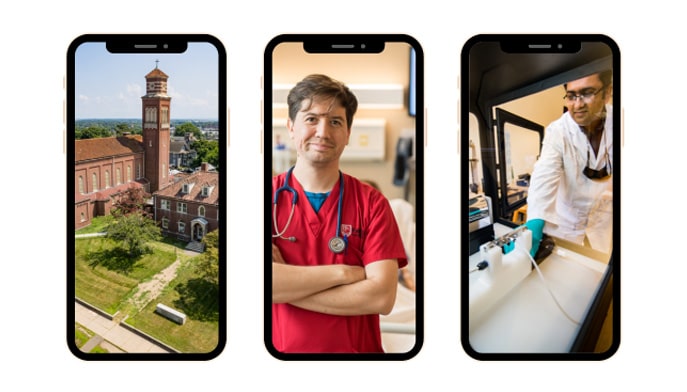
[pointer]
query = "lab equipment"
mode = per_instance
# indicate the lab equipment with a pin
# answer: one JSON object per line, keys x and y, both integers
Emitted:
{"x": 481, "y": 221}
{"x": 337, "y": 244}
{"x": 537, "y": 228}
{"x": 502, "y": 273}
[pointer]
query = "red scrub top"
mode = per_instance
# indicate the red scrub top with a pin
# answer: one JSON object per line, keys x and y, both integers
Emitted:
{"x": 367, "y": 216}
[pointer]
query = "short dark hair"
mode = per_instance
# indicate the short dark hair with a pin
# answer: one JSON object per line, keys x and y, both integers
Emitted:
{"x": 321, "y": 86}
{"x": 605, "y": 76}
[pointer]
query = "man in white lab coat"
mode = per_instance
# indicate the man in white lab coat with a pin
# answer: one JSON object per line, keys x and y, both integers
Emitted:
{"x": 571, "y": 188}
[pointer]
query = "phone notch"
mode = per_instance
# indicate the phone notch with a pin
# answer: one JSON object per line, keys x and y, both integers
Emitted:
{"x": 330, "y": 101}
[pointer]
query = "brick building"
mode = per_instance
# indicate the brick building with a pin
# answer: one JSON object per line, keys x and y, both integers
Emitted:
{"x": 189, "y": 208}
{"x": 106, "y": 167}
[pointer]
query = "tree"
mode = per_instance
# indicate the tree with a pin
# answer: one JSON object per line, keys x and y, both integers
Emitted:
{"x": 124, "y": 128}
{"x": 199, "y": 297}
{"x": 207, "y": 151}
{"x": 91, "y": 132}
{"x": 187, "y": 127}
{"x": 129, "y": 201}
{"x": 208, "y": 261}
{"x": 133, "y": 232}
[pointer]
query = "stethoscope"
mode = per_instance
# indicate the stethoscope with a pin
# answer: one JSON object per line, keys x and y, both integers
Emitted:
{"x": 337, "y": 244}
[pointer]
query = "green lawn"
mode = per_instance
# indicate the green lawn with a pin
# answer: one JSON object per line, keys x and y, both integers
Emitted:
{"x": 83, "y": 335}
{"x": 106, "y": 277}
{"x": 197, "y": 300}
{"x": 97, "y": 225}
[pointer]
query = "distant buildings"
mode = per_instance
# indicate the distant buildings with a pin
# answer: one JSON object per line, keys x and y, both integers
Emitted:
{"x": 186, "y": 206}
{"x": 180, "y": 152}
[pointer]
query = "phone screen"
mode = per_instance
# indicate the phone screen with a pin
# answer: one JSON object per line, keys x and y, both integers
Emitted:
{"x": 541, "y": 262}
{"x": 343, "y": 150}
{"x": 146, "y": 152}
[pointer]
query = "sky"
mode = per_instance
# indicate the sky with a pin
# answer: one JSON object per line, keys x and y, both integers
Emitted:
{"x": 111, "y": 85}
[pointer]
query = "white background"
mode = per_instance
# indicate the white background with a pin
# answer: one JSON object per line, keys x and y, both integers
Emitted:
{"x": 35, "y": 39}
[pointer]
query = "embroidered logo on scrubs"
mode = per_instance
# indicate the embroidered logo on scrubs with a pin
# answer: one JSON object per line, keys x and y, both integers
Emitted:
{"x": 346, "y": 230}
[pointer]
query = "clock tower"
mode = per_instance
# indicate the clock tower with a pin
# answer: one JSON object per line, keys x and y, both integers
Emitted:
{"x": 156, "y": 132}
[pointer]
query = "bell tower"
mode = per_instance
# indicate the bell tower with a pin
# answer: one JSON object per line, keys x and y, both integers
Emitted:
{"x": 156, "y": 132}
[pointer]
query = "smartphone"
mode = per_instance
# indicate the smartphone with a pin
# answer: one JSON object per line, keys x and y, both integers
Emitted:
{"x": 343, "y": 196}
{"x": 146, "y": 156}
{"x": 540, "y": 270}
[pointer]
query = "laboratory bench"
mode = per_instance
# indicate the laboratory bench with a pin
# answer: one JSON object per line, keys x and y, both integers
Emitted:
{"x": 528, "y": 320}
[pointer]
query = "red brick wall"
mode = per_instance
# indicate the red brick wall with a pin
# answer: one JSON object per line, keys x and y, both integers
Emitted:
{"x": 86, "y": 203}
{"x": 191, "y": 213}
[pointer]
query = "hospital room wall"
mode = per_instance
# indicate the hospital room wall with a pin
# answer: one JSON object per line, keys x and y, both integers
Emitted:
{"x": 541, "y": 108}
{"x": 291, "y": 64}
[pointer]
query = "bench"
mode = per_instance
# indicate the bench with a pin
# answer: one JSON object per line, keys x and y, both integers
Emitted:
{"x": 171, "y": 314}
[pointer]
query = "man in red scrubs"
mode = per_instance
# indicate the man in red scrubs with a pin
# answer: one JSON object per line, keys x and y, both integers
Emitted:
{"x": 336, "y": 251}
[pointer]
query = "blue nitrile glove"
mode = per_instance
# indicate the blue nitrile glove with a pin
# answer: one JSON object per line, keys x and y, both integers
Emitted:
{"x": 536, "y": 226}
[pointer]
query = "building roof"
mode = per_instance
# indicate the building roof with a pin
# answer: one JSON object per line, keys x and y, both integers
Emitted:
{"x": 178, "y": 146}
{"x": 88, "y": 149}
{"x": 156, "y": 73}
{"x": 199, "y": 180}
{"x": 106, "y": 194}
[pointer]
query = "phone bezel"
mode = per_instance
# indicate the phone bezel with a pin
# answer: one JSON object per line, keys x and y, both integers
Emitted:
{"x": 151, "y": 43}
{"x": 520, "y": 44}
{"x": 352, "y": 44}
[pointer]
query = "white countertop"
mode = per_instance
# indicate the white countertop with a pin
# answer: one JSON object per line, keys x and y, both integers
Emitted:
{"x": 527, "y": 319}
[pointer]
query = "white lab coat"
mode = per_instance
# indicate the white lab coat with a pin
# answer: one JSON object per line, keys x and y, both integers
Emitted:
{"x": 572, "y": 205}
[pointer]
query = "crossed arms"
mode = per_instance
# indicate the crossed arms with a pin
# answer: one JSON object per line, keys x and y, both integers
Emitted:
{"x": 337, "y": 289}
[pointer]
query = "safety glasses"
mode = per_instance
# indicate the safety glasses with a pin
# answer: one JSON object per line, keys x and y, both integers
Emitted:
{"x": 585, "y": 96}
{"x": 602, "y": 174}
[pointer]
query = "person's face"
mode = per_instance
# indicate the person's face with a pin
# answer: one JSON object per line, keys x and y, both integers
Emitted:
{"x": 586, "y": 111}
{"x": 320, "y": 131}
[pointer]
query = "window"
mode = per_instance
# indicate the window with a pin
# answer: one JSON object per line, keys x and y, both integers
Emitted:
{"x": 118, "y": 176}
{"x": 128, "y": 173}
{"x": 107, "y": 179}
{"x": 182, "y": 227}
{"x": 201, "y": 211}
{"x": 94, "y": 179}
{"x": 151, "y": 115}
{"x": 165, "y": 223}
{"x": 165, "y": 115}
{"x": 181, "y": 207}
{"x": 81, "y": 190}
{"x": 138, "y": 170}
{"x": 165, "y": 204}
{"x": 83, "y": 217}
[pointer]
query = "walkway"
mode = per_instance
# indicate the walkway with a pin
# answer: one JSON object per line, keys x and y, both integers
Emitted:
{"x": 121, "y": 338}
{"x": 117, "y": 338}
{"x": 110, "y": 331}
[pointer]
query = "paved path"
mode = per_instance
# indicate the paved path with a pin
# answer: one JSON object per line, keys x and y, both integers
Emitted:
{"x": 110, "y": 331}
{"x": 116, "y": 338}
